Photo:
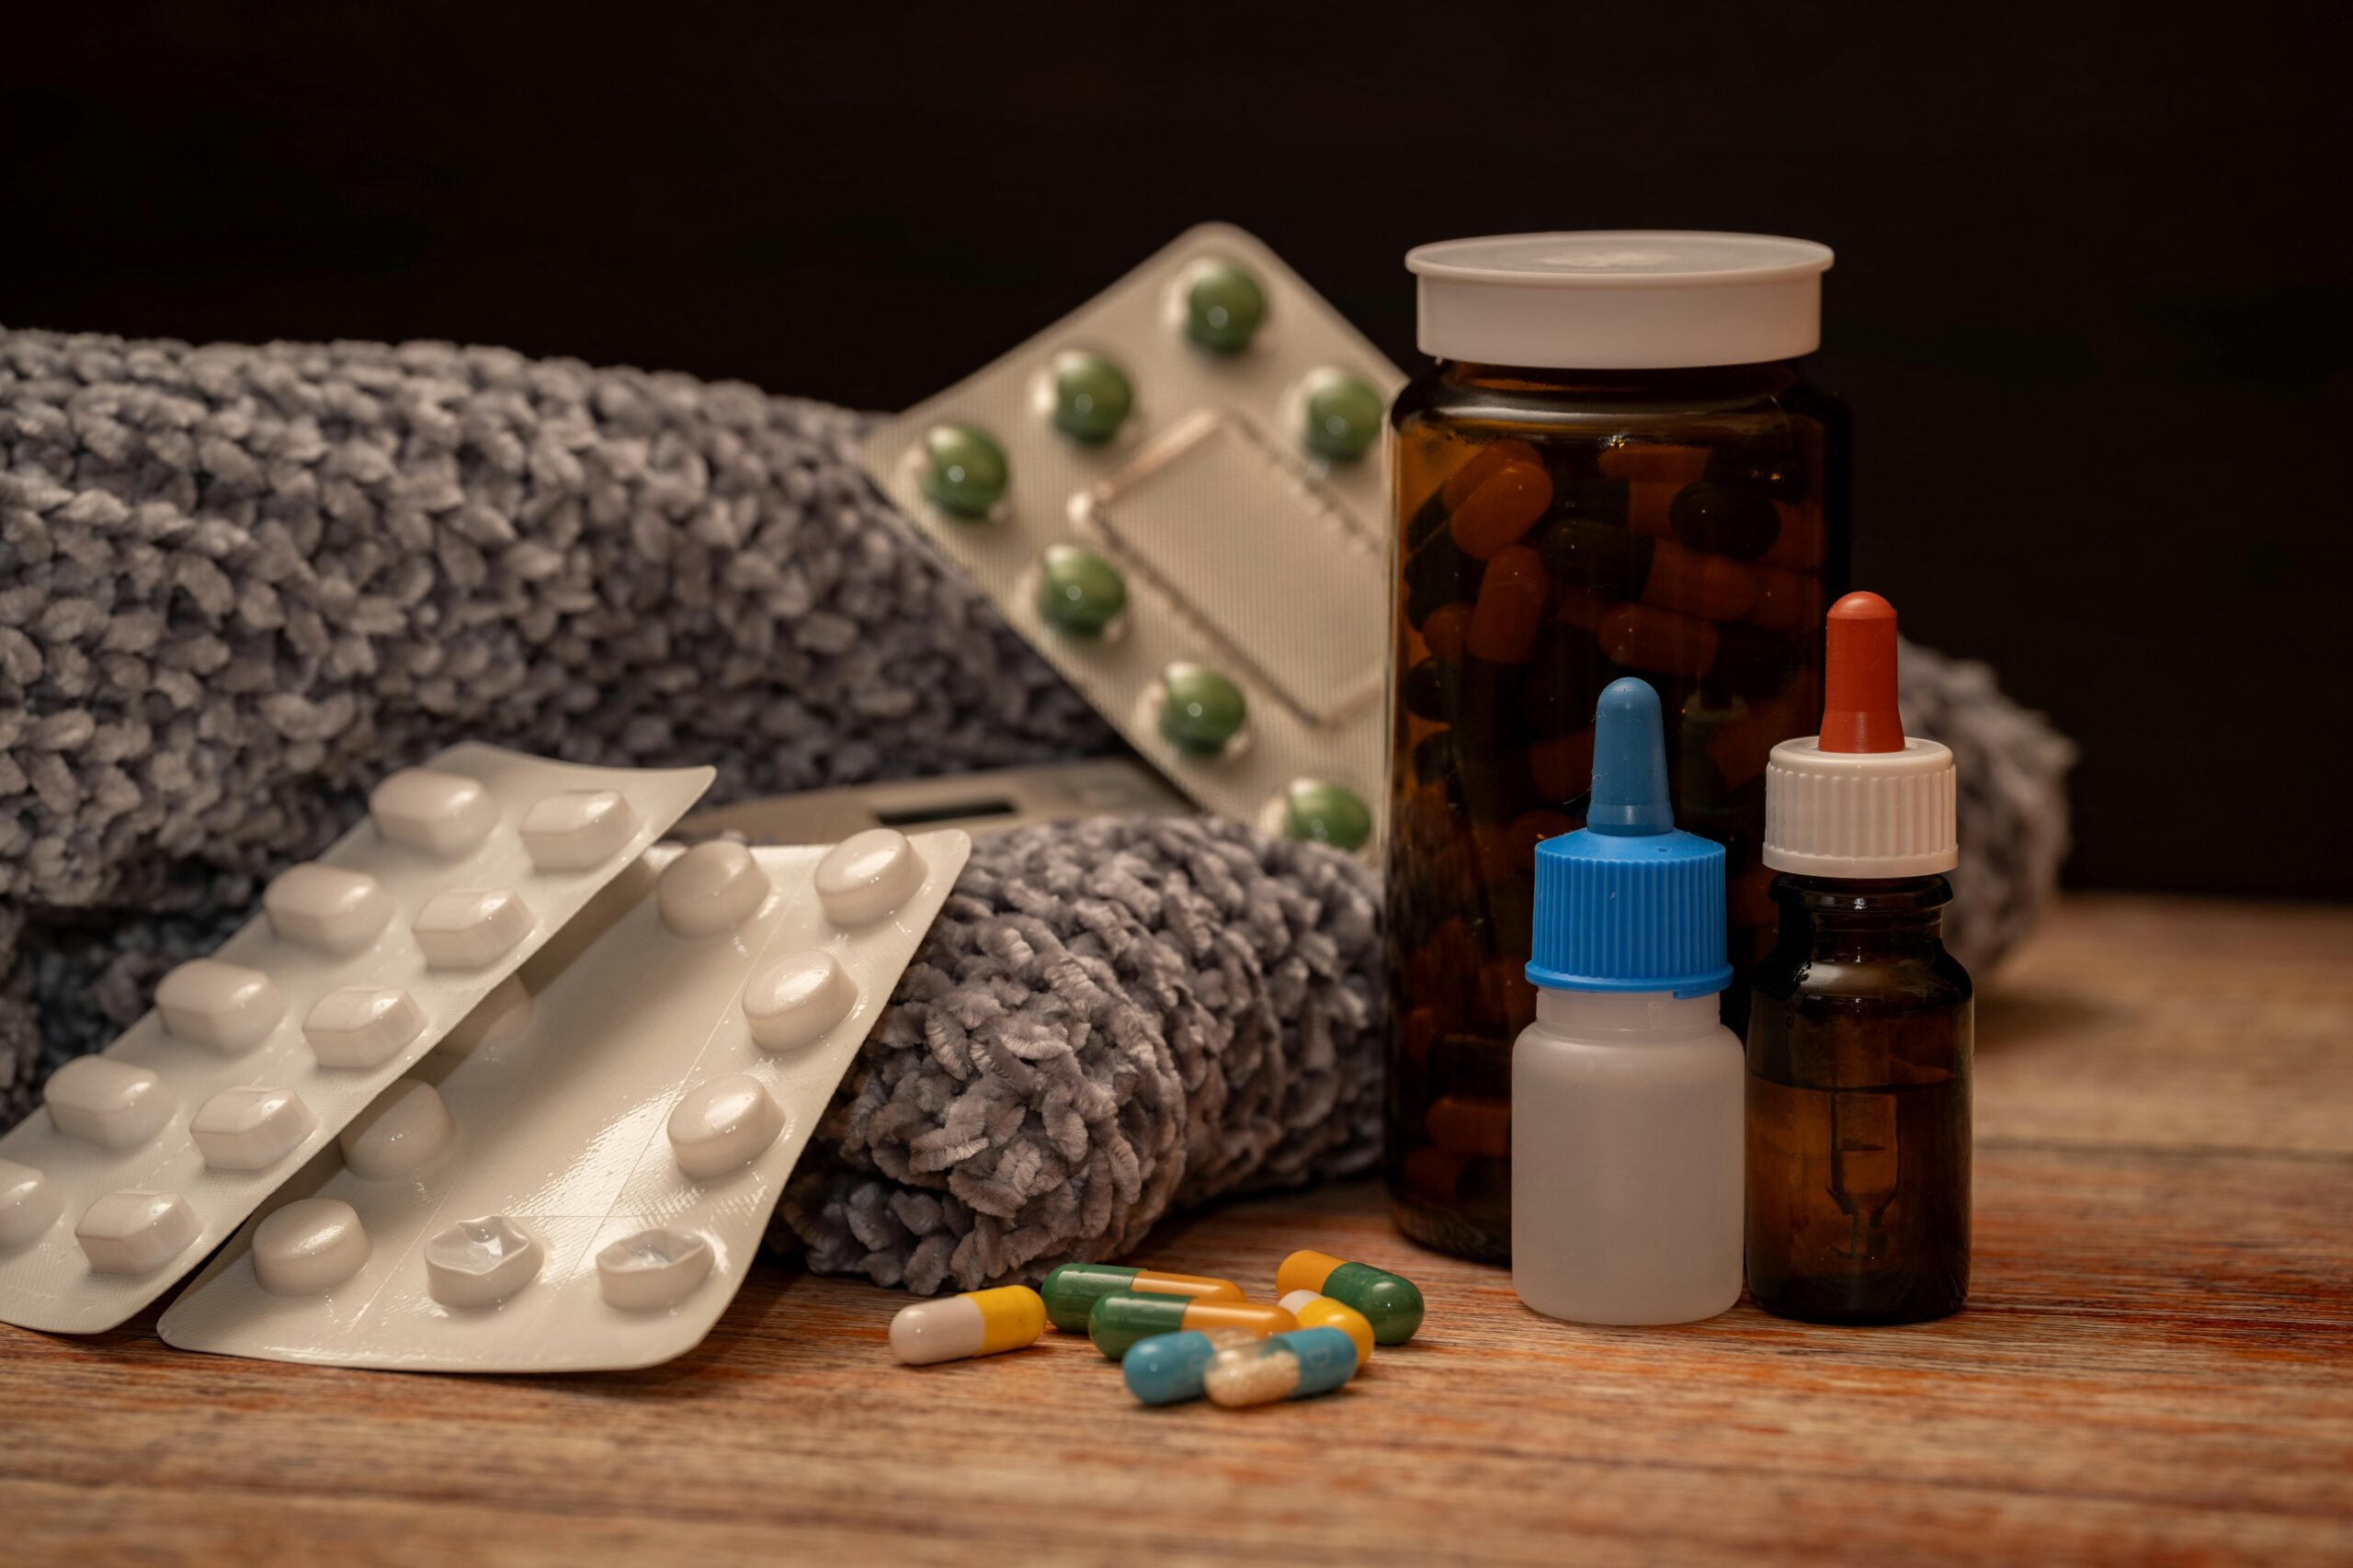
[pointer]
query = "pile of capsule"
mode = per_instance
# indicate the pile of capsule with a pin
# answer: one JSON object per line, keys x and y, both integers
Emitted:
{"x": 1184, "y": 1337}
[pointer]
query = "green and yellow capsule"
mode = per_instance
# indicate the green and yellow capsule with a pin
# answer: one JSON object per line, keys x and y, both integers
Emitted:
{"x": 1118, "y": 1323}
{"x": 1391, "y": 1302}
{"x": 1071, "y": 1290}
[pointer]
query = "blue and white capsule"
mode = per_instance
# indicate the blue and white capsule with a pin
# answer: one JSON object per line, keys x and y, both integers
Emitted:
{"x": 1297, "y": 1365}
{"x": 1167, "y": 1368}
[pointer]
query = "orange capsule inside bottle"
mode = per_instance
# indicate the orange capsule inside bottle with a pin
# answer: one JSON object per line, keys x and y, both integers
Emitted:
{"x": 1468, "y": 1126}
{"x": 1501, "y": 509}
{"x": 1510, "y": 610}
{"x": 1660, "y": 640}
{"x": 1713, "y": 586}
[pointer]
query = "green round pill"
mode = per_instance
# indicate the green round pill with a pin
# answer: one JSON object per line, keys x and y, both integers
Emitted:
{"x": 964, "y": 471}
{"x": 1223, "y": 307}
{"x": 1078, "y": 591}
{"x": 1342, "y": 418}
{"x": 1326, "y": 814}
{"x": 1092, "y": 397}
{"x": 1202, "y": 711}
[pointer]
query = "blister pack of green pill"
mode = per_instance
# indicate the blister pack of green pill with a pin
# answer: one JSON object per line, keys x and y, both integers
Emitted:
{"x": 1177, "y": 492}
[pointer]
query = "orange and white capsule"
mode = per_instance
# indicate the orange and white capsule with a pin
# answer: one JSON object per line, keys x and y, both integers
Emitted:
{"x": 978, "y": 1322}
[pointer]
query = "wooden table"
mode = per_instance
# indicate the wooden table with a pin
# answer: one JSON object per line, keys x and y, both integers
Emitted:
{"x": 2157, "y": 1363}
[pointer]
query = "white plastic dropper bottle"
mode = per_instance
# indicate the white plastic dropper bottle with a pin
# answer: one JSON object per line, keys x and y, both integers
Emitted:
{"x": 1627, "y": 1091}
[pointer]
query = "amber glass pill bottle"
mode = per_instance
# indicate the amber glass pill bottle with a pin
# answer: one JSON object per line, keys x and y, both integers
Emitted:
{"x": 1614, "y": 466}
{"x": 1861, "y": 1029}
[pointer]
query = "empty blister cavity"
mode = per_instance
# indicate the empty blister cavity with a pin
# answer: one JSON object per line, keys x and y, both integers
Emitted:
{"x": 405, "y": 1130}
{"x": 867, "y": 875}
{"x": 468, "y": 928}
{"x": 111, "y": 1103}
{"x": 310, "y": 1244}
{"x": 723, "y": 1125}
{"x": 226, "y": 1007}
{"x": 135, "y": 1231}
{"x": 28, "y": 1204}
{"x": 711, "y": 888}
{"x": 327, "y": 907}
{"x": 577, "y": 828}
{"x": 480, "y": 1263}
{"x": 795, "y": 1000}
{"x": 652, "y": 1269}
{"x": 362, "y": 1026}
{"x": 250, "y": 1129}
{"x": 505, "y": 1015}
{"x": 440, "y": 814}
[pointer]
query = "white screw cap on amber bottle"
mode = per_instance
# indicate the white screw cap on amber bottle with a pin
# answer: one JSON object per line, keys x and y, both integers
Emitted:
{"x": 1619, "y": 299}
{"x": 1861, "y": 800}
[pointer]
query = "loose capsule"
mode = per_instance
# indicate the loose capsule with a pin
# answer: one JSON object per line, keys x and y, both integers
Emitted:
{"x": 1510, "y": 610}
{"x": 1072, "y": 1289}
{"x": 1501, "y": 509}
{"x": 1118, "y": 1322}
{"x": 1297, "y": 1365}
{"x": 1391, "y": 1302}
{"x": 1167, "y": 1368}
{"x": 1322, "y": 1312}
{"x": 978, "y": 1322}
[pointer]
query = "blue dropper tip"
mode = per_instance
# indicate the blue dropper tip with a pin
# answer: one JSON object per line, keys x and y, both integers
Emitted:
{"x": 1629, "y": 797}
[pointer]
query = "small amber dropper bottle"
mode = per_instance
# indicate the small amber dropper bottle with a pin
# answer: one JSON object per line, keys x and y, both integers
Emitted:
{"x": 1860, "y": 1024}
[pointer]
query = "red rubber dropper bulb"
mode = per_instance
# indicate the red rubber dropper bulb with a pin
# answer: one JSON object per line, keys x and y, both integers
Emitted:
{"x": 1859, "y": 703}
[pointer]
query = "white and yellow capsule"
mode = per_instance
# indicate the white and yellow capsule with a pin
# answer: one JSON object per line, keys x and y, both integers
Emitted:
{"x": 978, "y": 1322}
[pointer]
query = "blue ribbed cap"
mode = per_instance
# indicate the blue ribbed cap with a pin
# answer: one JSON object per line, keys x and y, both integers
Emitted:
{"x": 1627, "y": 902}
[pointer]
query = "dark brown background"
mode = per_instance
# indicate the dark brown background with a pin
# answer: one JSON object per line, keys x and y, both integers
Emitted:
{"x": 2085, "y": 309}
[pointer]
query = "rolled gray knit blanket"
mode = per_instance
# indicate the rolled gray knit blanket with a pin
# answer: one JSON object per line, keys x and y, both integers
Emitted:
{"x": 238, "y": 585}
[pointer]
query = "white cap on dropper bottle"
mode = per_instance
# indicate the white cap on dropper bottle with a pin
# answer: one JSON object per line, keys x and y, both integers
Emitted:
{"x": 1861, "y": 800}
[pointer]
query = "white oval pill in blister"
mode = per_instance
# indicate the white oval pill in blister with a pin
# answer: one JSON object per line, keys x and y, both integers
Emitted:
{"x": 723, "y": 1125}
{"x": 112, "y": 1104}
{"x": 223, "y": 1005}
{"x": 310, "y": 1244}
{"x": 652, "y": 1269}
{"x": 28, "y": 1204}
{"x": 468, "y": 928}
{"x": 797, "y": 999}
{"x": 135, "y": 1230}
{"x": 362, "y": 1026}
{"x": 867, "y": 875}
{"x": 478, "y": 1262}
{"x": 250, "y": 1129}
{"x": 327, "y": 907}
{"x": 441, "y": 813}
{"x": 711, "y": 888}
{"x": 577, "y": 828}
{"x": 404, "y": 1129}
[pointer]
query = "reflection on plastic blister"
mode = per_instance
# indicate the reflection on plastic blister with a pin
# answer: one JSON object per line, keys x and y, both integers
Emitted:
{"x": 1176, "y": 494}
{"x": 583, "y": 1185}
{"x": 149, "y": 1154}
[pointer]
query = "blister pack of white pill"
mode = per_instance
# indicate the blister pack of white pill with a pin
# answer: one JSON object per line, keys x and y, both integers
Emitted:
{"x": 145, "y": 1155}
{"x": 580, "y": 1181}
{"x": 1176, "y": 494}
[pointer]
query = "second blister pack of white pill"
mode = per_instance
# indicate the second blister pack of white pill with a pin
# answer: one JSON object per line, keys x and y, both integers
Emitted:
{"x": 581, "y": 1178}
{"x": 145, "y": 1155}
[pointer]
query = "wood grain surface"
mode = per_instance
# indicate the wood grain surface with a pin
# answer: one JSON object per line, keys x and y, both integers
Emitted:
{"x": 2156, "y": 1364}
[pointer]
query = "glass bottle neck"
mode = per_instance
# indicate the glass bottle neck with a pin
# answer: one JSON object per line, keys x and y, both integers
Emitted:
{"x": 1836, "y": 917}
